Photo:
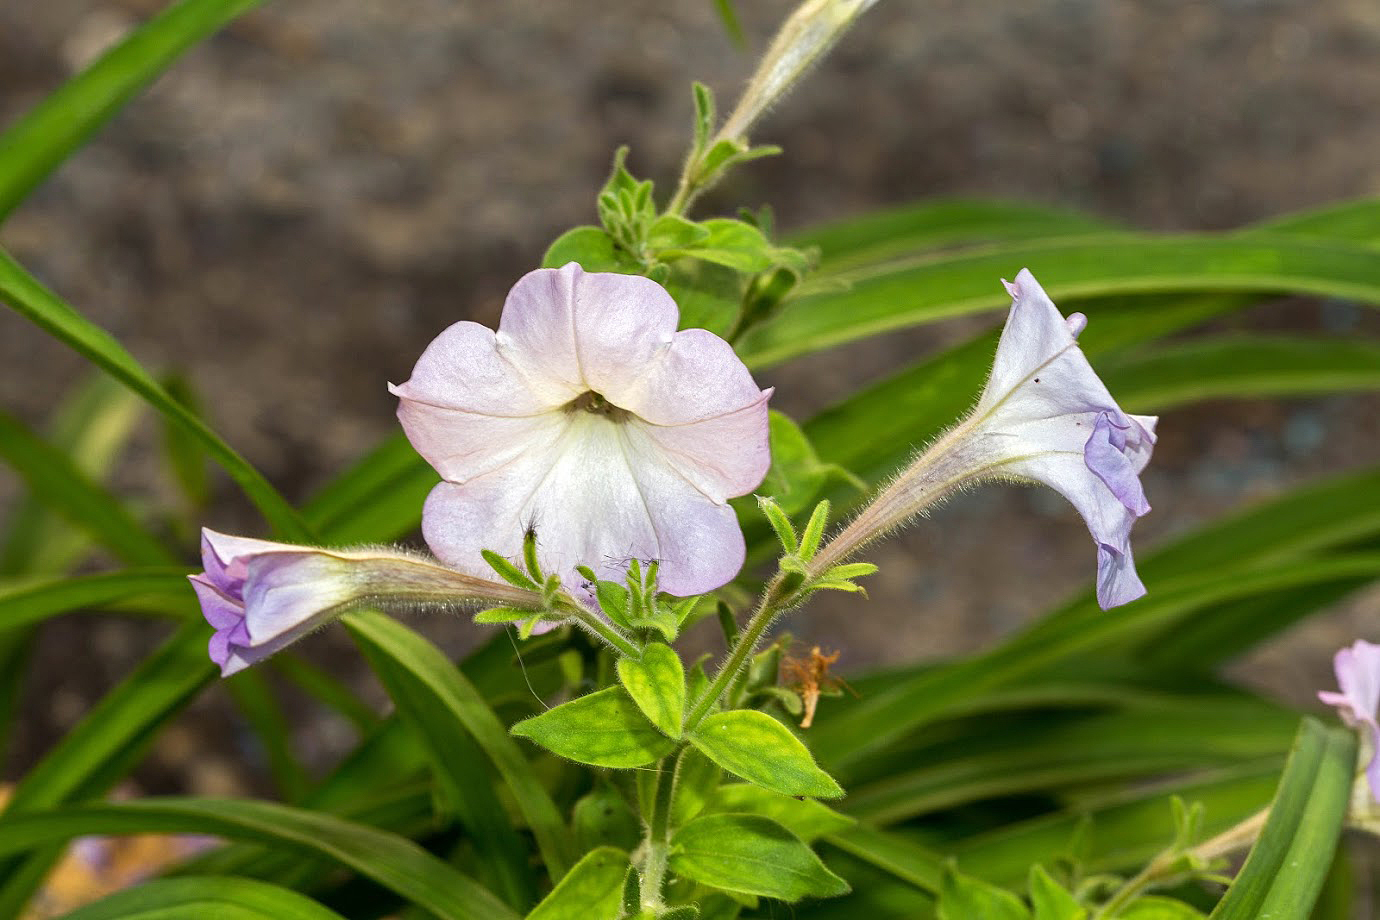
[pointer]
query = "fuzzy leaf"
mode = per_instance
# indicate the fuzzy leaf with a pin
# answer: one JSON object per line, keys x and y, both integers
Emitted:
{"x": 1050, "y": 900}
{"x": 592, "y": 890}
{"x": 752, "y": 855}
{"x": 805, "y": 818}
{"x": 656, "y": 683}
{"x": 964, "y": 898}
{"x": 761, "y": 750}
{"x": 604, "y": 729}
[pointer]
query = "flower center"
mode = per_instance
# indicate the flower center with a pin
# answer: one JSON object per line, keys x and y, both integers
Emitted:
{"x": 596, "y": 404}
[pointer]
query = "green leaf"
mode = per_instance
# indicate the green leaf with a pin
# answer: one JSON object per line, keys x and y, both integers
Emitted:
{"x": 392, "y": 861}
{"x": 797, "y": 475}
{"x": 805, "y": 818}
{"x": 670, "y": 231}
{"x": 886, "y": 234}
{"x": 896, "y": 855}
{"x": 38, "y": 143}
{"x": 592, "y": 249}
{"x": 896, "y": 296}
{"x": 605, "y": 729}
{"x": 261, "y": 710}
{"x": 1181, "y": 373}
{"x": 31, "y": 299}
{"x": 751, "y": 855}
{"x": 92, "y": 427}
{"x": 656, "y": 683}
{"x": 1157, "y": 908}
{"x": 441, "y": 704}
{"x": 185, "y": 458}
{"x": 1051, "y": 901}
{"x": 204, "y": 896}
{"x": 379, "y": 498}
{"x": 730, "y": 243}
{"x": 964, "y": 898}
{"x": 761, "y": 750}
{"x": 602, "y": 817}
{"x": 697, "y": 778}
{"x": 592, "y": 890}
{"x": 33, "y": 602}
{"x": 100, "y": 749}
{"x": 56, "y": 481}
{"x": 1290, "y": 860}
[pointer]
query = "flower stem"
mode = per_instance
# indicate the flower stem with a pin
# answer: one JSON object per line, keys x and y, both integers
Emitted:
{"x": 766, "y": 611}
{"x": 658, "y": 835}
{"x": 593, "y": 624}
{"x": 1168, "y": 864}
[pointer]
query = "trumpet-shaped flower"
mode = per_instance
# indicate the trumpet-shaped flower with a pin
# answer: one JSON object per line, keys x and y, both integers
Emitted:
{"x": 589, "y": 418}
{"x": 261, "y": 596}
{"x": 1358, "y": 675}
{"x": 1044, "y": 416}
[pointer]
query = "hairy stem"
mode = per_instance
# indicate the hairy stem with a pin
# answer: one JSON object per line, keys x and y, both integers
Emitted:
{"x": 766, "y": 611}
{"x": 658, "y": 841}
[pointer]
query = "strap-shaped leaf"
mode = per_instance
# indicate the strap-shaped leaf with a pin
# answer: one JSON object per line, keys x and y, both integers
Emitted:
{"x": 900, "y": 295}
{"x": 204, "y": 896}
{"x": 57, "y": 481}
{"x": 31, "y": 299}
{"x": 656, "y": 683}
{"x": 1180, "y": 373}
{"x": 378, "y": 498}
{"x": 592, "y": 890}
{"x": 604, "y": 728}
{"x": 392, "y": 861}
{"x": 751, "y": 855}
{"x": 437, "y": 698}
{"x": 805, "y": 818}
{"x": 33, "y": 602}
{"x": 756, "y": 747}
{"x": 39, "y": 142}
{"x": 898, "y": 856}
{"x": 1289, "y": 862}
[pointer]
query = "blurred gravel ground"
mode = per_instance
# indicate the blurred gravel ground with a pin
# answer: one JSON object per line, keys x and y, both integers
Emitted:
{"x": 293, "y": 212}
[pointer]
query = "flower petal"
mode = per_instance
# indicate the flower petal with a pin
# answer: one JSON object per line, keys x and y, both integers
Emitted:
{"x": 1039, "y": 370}
{"x": 1106, "y": 455}
{"x": 219, "y": 609}
{"x": 698, "y": 377}
{"x": 290, "y": 594}
{"x": 599, "y": 496}
{"x": 723, "y": 457}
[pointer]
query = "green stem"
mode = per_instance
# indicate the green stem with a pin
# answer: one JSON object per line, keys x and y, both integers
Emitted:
{"x": 747, "y": 643}
{"x": 595, "y": 624}
{"x": 658, "y": 842}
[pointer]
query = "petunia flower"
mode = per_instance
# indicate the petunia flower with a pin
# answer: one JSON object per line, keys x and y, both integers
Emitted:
{"x": 261, "y": 596}
{"x": 1358, "y": 675}
{"x": 1044, "y": 416}
{"x": 588, "y": 418}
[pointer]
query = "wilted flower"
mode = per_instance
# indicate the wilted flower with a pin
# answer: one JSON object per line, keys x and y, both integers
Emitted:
{"x": 1358, "y": 675}
{"x": 1045, "y": 417}
{"x": 261, "y": 596}
{"x": 590, "y": 419}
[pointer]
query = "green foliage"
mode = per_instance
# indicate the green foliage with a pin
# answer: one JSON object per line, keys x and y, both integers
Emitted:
{"x": 754, "y": 746}
{"x": 592, "y": 890}
{"x": 656, "y": 683}
{"x": 603, "y": 729}
{"x": 1073, "y": 743}
{"x": 751, "y": 855}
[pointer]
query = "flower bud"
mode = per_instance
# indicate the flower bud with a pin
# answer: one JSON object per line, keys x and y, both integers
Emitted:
{"x": 261, "y": 596}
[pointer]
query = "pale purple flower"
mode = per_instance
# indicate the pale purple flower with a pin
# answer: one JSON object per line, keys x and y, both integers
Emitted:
{"x": 588, "y": 417}
{"x": 1358, "y": 675}
{"x": 260, "y": 596}
{"x": 1044, "y": 416}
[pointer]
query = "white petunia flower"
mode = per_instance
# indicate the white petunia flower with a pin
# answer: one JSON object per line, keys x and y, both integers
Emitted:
{"x": 590, "y": 418}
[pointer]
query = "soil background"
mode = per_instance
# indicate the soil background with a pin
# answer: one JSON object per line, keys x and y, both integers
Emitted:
{"x": 293, "y": 212}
